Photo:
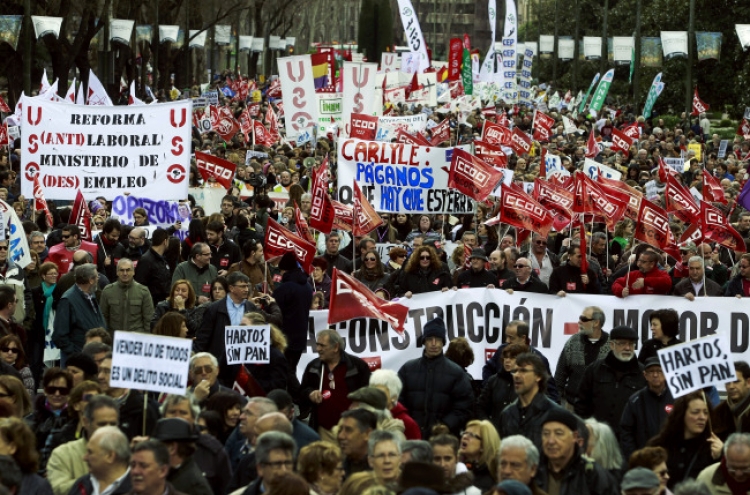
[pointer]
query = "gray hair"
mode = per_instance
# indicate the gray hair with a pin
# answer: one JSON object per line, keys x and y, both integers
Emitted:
{"x": 272, "y": 440}
{"x": 36, "y": 233}
{"x": 265, "y": 405}
{"x": 380, "y": 436}
{"x": 200, "y": 355}
{"x": 421, "y": 450}
{"x": 694, "y": 259}
{"x": 691, "y": 487}
{"x": 124, "y": 261}
{"x": 157, "y": 448}
{"x": 606, "y": 451}
{"x": 84, "y": 273}
{"x": 597, "y": 314}
{"x": 306, "y": 196}
{"x": 174, "y": 399}
{"x": 139, "y": 231}
{"x": 112, "y": 439}
{"x": 520, "y": 442}
{"x": 389, "y": 379}
{"x": 598, "y": 236}
{"x": 334, "y": 338}
{"x": 736, "y": 439}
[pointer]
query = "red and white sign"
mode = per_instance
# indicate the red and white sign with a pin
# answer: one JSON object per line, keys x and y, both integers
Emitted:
{"x": 521, "y": 211}
{"x": 496, "y": 134}
{"x": 218, "y": 168}
{"x": 322, "y": 212}
{"x": 298, "y": 88}
{"x": 699, "y": 106}
{"x": 542, "y": 126}
{"x": 441, "y": 132}
{"x": 358, "y": 89}
{"x": 108, "y": 150}
{"x": 490, "y": 153}
{"x": 280, "y": 240}
{"x": 344, "y": 216}
{"x": 716, "y": 228}
{"x": 365, "y": 218}
{"x": 472, "y": 176}
{"x": 261, "y": 135}
{"x": 520, "y": 141}
{"x": 364, "y": 126}
{"x": 652, "y": 226}
{"x": 621, "y": 141}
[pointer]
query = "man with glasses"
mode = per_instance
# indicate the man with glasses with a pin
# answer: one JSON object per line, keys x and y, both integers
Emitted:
{"x": 543, "y": 260}
{"x": 582, "y": 349}
{"x": 608, "y": 383}
{"x": 136, "y": 247}
{"x": 524, "y": 415}
{"x": 226, "y": 312}
{"x": 733, "y": 413}
{"x": 525, "y": 280}
{"x": 732, "y": 474}
{"x": 62, "y": 254}
{"x": 274, "y": 453}
{"x": 386, "y": 233}
{"x": 384, "y": 456}
{"x": 106, "y": 242}
{"x": 126, "y": 304}
{"x": 646, "y": 410}
{"x": 477, "y": 275}
{"x": 36, "y": 244}
{"x": 648, "y": 279}
{"x": 198, "y": 270}
{"x": 739, "y": 286}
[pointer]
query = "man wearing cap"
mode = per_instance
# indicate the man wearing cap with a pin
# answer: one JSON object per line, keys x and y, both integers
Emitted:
{"x": 477, "y": 275}
{"x": 184, "y": 474}
{"x": 693, "y": 284}
{"x": 568, "y": 278}
{"x": 294, "y": 297}
{"x": 436, "y": 390}
{"x": 563, "y": 470}
{"x": 732, "y": 474}
{"x": 640, "y": 481}
{"x": 646, "y": 410}
{"x": 608, "y": 383}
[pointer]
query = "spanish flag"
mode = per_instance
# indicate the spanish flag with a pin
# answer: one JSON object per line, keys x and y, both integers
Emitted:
{"x": 320, "y": 68}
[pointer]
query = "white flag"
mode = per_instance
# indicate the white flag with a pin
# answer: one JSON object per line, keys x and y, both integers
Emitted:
{"x": 70, "y": 96}
{"x": 413, "y": 32}
{"x": 81, "y": 95}
{"x": 45, "y": 83}
{"x": 132, "y": 98}
{"x": 97, "y": 95}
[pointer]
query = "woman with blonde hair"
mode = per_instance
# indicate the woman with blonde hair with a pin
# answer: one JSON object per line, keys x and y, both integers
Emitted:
{"x": 357, "y": 483}
{"x": 275, "y": 373}
{"x": 321, "y": 464}
{"x": 17, "y": 441}
{"x": 478, "y": 450}
{"x": 13, "y": 393}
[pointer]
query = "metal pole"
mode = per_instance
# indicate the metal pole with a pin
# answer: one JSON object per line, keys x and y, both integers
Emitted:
{"x": 637, "y": 68}
{"x": 605, "y": 51}
{"x": 155, "y": 50}
{"x": 691, "y": 52}
{"x": 555, "y": 54}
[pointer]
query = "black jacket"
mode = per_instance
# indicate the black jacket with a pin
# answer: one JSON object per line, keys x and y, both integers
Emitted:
{"x": 606, "y": 386}
{"x": 530, "y": 424}
{"x": 531, "y": 285}
{"x": 294, "y": 297}
{"x": 271, "y": 375}
{"x": 469, "y": 278}
{"x": 495, "y": 364}
{"x": 357, "y": 376}
{"x": 568, "y": 278}
{"x": 581, "y": 476}
{"x": 337, "y": 261}
{"x": 651, "y": 346}
{"x": 188, "y": 479}
{"x": 498, "y": 392}
{"x": 421, "y": 281}
{"x": 131, "y": 415}
{"x": 436, "y": 390}
{"x": 210, "y": 336}
{"x": 213, "y": 462}
{"x": 121, "y": 251}
{"x": 642, "y": 418}
{"x": 154, "y": 272}
{"x": 226, "y": 255}
{"x": 734, "y": 287}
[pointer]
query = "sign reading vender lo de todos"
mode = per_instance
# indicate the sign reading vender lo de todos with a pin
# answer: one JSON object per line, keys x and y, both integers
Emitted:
{"x": 399, "y": 177}
{"x": 106, "y": 150}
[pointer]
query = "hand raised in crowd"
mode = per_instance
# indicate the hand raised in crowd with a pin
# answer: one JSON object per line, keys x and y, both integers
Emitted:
{"x": 716, "y": 446}
{"x": 316, "y": 397}
{"x": 202, "y": 390}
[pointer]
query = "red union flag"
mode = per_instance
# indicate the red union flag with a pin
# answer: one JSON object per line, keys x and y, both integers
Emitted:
{"x": 542, "y": 126}
{"x": 40, "y": 204}
{"x": 592, "y": 148}
{"x": 213, "y": 166}
{"x": 712, "y": 190}
{"x": 633, "y": 196}
{"x": 495, "y": 134}
{"x": 4, "y": 106}
{"x": 590, "y": 199}
{"x": 4, "y": 134}
{"x": 246, "y": 124}
{"x": 352, "y": 299}
{"x": 261, "y": 134}
{"x": 322, "y": 212}
{"x": 471, "y": 176}
{"x": 744, "y": 128}
{"x": 81, "y": 216}
{"x": 521, "y": 211}
{"x": 716, "y": 228}
{"x": 364, "y": 126}
{"x": 519, "y": 141}
{"x": 365, "y": 218}
{"x": 344, "y": 216}
{"x": 454, "y": 59}
{"x": 556, "y": 199}
{"x": 415, "y": 139}
{"x": 223, "y": 122}
{"x": 273, "y": 123}
{"x": 665, "y": 171}
{"x": 680, "y": 201}
{"x": 280, "y": 240}
{"x": 490, "y": 113}
{"x": 699, "y": 106}
{"x": 652, "y": 226}
{"x": 494, "y": 155}
{"x": 621, "y": 141}
{"x": 302, "y": 228}
{"x": 441, "y": 132}
{"x": 632, "y": 131}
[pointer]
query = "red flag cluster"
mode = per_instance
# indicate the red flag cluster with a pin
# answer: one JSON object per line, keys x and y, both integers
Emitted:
{"x": 280, "y": 240}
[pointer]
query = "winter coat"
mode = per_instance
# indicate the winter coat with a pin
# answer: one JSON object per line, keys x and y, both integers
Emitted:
{"x": 294, "y": 297}
{"x": 411, "y": 428}
{"x": 568, "y": 278}
{"x": 655, "y": 281}
{"x": 572, "y": 364}
{"x": 582, "y": 476}
{"x": 74, "y": 317}
{"x": 225, "y": 255}
{"x": 131, "y": 415}
{"x": 533, "y": 284}
{"x": 436, "y": 390}
{"x": 470, "y": 278}
{"x": 530, "y": 424}
{"x": 189, "y": 479}
{"x": 728, "y": 418}
{"x": 199, "y": 278}
{"x": 154, "y": 272}
{"x": 420, "y": 281}
{"x": 642, "y": 418}
{"x": 127, "y": 307}
{"x": 497, "y": 394}
{"x": 495, "y": 364}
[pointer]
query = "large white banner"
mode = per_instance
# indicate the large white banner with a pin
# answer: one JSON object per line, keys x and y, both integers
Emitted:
{"x": 622, "y": 47}
{"x": 149, "y": 362}
{"x": 359, "y": 91}
{"x": 298, "y": 94}
{"x": 413, "y": 32}
{"x": 389, "y": 62}
{"x": 399, "y": 178}
{"x": 674, "y": 44}
{"x": 480, "y": 315}
{"x": 387, "y": 126}
{"x": 510, "y": 59}
{"x": 106, "y": 151}
{"x": 592, "y": 47}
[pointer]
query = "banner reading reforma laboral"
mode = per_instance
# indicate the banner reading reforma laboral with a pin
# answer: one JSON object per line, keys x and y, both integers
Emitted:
{"x": 105, "y": 151}
{"x": 398, "y": 177}
{"x": 480, "y": 315}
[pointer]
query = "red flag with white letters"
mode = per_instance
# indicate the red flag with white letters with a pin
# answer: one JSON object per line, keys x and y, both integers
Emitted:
{"x": 261, "y": 134}
{"x": 652, "y": 226}
{"x": 280, "y": 240}
{"x": 352, "y": 299}
{"x": 496, "y": 134}
{"x": 680, "y": 202}
{"x": 715, "y": 227}
{"x": 712, "y": 190}
{"x": 218, "y": 168}
{"x": 621, "y": 141}
{"x": 472, "y": 176}
{"x": 519, "y": 141}
{"x": 81, "y": 216}
{"x": 302, "y": 228}
{"x": 365, "y": 218}
{"x": 40, "y": 204}
{"x": 556, "y": 199}
{"x": 322, "y": 212}
{"x": 592, "y": 149}
{"x": 441, "y": 132}
{"x": 490, "y": 153}
{"x": 521, "y": 211}
{"x": 699, "y": 106}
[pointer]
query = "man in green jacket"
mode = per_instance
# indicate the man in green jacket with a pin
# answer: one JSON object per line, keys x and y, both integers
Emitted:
{"x": 126, "y": 304}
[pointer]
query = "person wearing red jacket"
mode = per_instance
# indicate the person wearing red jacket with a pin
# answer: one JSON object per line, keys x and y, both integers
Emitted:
{"x": 62, "y": 254}
{"x": 648, "y": 279}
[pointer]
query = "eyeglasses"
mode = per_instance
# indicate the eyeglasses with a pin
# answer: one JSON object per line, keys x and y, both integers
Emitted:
{"x": 53, "y": 390}
{"x": 204, "y": 254}
{"x": 521, "y": 266}
{"x": 424, "y": 258}
{"x": 279, "y": 464}
{"x": 13, "y": 350}
{"x": 624, "y": 343}
{"x": 3, "y": 248}
{"x": 540, "y": 243}
{"x": 371, "y": 259}
{"x": 199, "y": 370}
{"x": 584, "y": 319}
{"x": 98, "y": 224}
{"x": 738, "y": 471}
{"x": 65, "y": 236}
{"x": 471, "y": 435}
{"x": 520, "y": 370}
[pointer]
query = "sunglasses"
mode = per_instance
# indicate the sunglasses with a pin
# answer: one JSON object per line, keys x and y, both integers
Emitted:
{"x": 370, "y": 259}
{"x": 203, "y": 369}
{"x": 540, "y": 243}
{"x": 584, "y": 319}
{"x": 13, "y": 350}
{"x": 66, "y": 236}
{"x": 53, "y": 390}
{"x": 3, "y": 248}
{"x": 424, "y": 258}
{"x": 98, "y": 224}
{"x": 520, "y": 266}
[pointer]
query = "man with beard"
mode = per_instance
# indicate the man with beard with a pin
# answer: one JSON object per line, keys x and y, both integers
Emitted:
{"x": 648, "y": 279}
{"x": 608, "y": 383}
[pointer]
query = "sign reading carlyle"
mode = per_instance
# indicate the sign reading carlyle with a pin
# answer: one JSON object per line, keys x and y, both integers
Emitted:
{"x": 106, "y": 150}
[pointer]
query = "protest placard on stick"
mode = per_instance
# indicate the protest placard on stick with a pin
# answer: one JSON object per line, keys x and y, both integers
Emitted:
{"x": 697, "y": 364}
{"x": 248, "y": 344}
{"x": 150, "y": 362}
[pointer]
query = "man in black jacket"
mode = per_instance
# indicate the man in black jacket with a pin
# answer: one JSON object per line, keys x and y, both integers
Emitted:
{"x": 524, "y": 279}
{"x": 224, "y": 253}
{"x": 568, "y": 278}
{"x": 333, "y": 257}
{"x": 608, "y": 383}
{"x": 435, "y": 389}
{"x": 646, "y": 410}
{"x": 227, "y": 312}
{"x": 477, "y": 275}
{"x": 153, "y": 270}
{"x": 179, "y": 437}
{"x": 294, "y": 297}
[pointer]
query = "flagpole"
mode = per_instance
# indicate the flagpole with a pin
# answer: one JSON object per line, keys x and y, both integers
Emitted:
{"x": 265, "y": 277}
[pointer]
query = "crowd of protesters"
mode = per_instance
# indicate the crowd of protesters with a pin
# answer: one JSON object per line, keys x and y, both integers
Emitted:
{"x": 604, "y": 422}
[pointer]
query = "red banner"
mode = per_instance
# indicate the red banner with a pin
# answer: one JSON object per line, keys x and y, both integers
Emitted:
{"x": 81, "y": 216}
{"x": 261, "y": 136}
{"x": 712, "y": 190}
{"x": 213, "y": 166}
{"x": 273, "y": 123}
{"x": 246, "y": 124}
{"x": 322, "y": 212}
{"x": 556, "y": 199}
{"x": 494, "y": 155}
{"x": 415, "y": 139}
{"x": 351, "y": 299}
{"x": 652, "y": 226}
{"x": 521, "y": 211}
{"x": 280, "y": 240}
{"x": 716, "y": 228}
{"x": 519, "y": 141}
{"x": 302, "y": 228}
{"x": 364, "y": 126}
{"x": 343, "y": 216}
{"x": 633, "y": 196}
{"x": 471, "y": 176}
{"x": 496, "y": 134}
{"x": 40, "y": 204}
{"x": 680, "y": 202}
{"x": 223, "y": 122}
{"x": 699, "y": 106}
{"x": 454, "y": 59}
{"x": 632, "y": 131}
{"x": 441, "y": 132}
{"x": 365, "y": 218}
{"x": 542, "y": 126}
{"x": 590, "y": 199}
{"x": 4, "y": 134}
{"x": 592, "y": 148}
{"x": 621, "y": 141}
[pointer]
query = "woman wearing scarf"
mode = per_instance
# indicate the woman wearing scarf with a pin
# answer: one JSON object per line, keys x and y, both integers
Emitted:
{"x": 42, "y": 299}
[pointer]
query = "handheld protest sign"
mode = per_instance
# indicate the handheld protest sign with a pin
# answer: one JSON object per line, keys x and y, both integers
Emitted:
{"x": 149, "y": 362}
{"x": 248, "y": 344}
{"x": 697, "y": 364}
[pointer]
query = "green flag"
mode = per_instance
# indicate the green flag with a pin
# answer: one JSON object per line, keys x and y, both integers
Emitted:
{"x": 588, "y": 91}
{"x": 653, "y": 93}
{"x": 632, "y": 65}
{"x": 601, "y": 91}
{"x": 466, "y": 75}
